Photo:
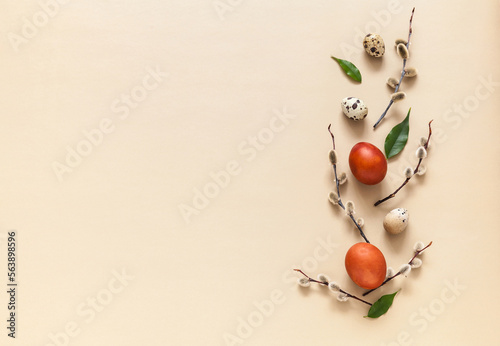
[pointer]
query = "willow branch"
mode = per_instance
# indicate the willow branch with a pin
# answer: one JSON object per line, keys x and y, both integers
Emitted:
{"x": 338, "y": 191}
{"x": 414, "y": 171}
{"x": 417, "y": 252}
{"x": 410, "y": 31}
{"x": 324, "y": 283}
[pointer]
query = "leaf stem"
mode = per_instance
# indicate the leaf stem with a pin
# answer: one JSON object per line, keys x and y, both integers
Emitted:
{"x": 380, "y": 201}
{"x": 338, "y": 191}
{"x": 324, "y": 283}
{"x": 410, "y": 31}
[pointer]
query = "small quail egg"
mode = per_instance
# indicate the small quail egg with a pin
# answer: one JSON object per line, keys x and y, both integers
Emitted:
{"x": 374, "y": 45}
{"x": 396, "y": 221}
{"x": 354, "y": 108}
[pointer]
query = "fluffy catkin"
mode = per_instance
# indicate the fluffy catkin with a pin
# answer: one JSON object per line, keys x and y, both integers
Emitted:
{"x": 421, "y": 170}
{"x": 323, "y": 278}
{"x": 304, "y": 282}
{"x": 416, "y": 263}
{"x": 403, "y": 51}
{"x": 333, "y": 157}
{"x": 342, "y": 178}
{"x": 334, "y": 286}
{"x": 411, "y": 72}
{"x": 349, "y": 208}
{"x": 333, "y": 198}
{"x": 418, "y": 246}
{"x": 392, "y": 82}
{"x": 398, "y": 96}
{"x": 421, "y": 153}
{"x": 408, "y": 172}
{"x": 405, "y": 269}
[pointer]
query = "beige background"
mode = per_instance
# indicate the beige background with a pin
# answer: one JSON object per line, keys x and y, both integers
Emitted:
{"x": 230, "y": 71}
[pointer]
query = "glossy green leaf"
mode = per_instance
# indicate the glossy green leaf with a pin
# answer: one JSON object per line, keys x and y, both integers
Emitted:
{"x": 349, "y": 68}
{"x": 397, "y": 138}
{"x": 381, "y": 306}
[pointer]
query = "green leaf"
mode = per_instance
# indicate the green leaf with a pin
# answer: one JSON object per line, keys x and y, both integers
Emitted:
{"x": 349, "y": 68}
{"x": 381, "y": 306}
{"x": 397, "y": 138}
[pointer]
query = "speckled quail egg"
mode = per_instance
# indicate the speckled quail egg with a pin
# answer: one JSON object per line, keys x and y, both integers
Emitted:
{"x": 396, "y": 221}
{"x": 354, "y": 108}
{"x": 374, "y": 45}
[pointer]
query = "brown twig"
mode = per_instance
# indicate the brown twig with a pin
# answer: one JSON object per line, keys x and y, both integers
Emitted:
{"x": 410, "y": 31}
{"x": 338, "y": 191}
{"x": 417, "y": 252}
{"x": 414, "y": 171}
{"x": 324, "y": 283}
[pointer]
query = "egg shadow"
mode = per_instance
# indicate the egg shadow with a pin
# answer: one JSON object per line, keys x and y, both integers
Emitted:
{"x": 304, "y": 291}
{"x": 374, "y": 63}
{"x": 315, "y": 288}
{"x": 396, "y": 241}
{"x": 366, "y": 195}
{"x": 357, "y": 127}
